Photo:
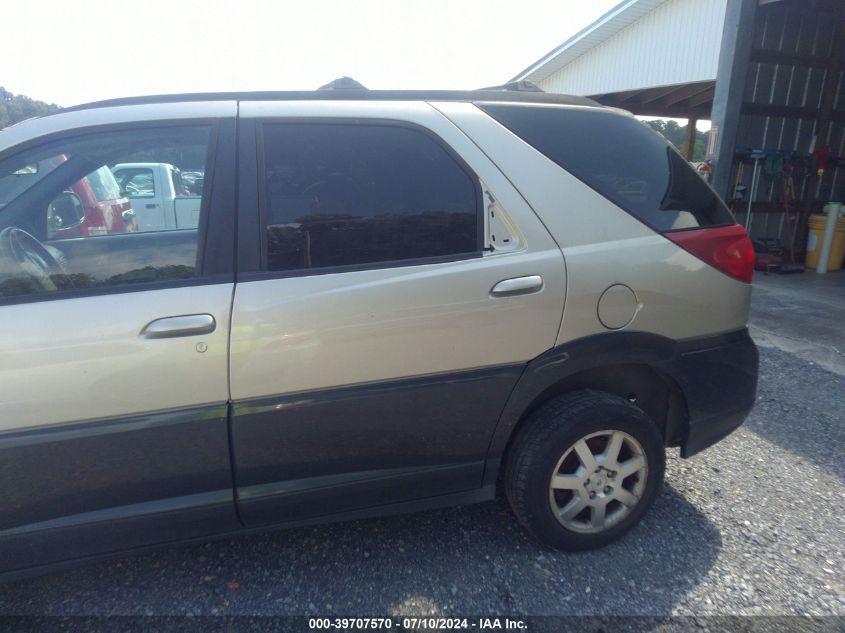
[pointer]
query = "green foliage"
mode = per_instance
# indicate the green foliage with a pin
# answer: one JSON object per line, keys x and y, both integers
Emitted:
{"x": 15, "y": 108}
{"x": 675, "y": 133}
{"x": 340, "y": 239}
{"x": 16, "y": 286}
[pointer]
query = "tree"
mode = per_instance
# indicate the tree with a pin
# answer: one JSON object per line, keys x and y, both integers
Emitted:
{"x": 675, "y": 134}
{"x": 15, "y": 108}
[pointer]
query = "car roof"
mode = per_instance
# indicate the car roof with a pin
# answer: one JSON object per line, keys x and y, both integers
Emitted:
{"x": 510, "y": 96}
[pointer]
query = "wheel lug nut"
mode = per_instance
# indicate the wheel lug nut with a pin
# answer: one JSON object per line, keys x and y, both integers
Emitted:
{"x": 592, "y": 495}
{"x": 607, "y": 489}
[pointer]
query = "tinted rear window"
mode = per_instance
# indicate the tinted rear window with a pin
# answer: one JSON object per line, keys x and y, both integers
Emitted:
{"x": 353, "y": 194}
{"x": 622, "y": 159}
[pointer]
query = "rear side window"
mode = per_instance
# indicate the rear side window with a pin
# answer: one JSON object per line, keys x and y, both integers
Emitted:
{"x": 623, "y": 160}
{"x": 137, "y": 182}
{"x": 352, "y": 194}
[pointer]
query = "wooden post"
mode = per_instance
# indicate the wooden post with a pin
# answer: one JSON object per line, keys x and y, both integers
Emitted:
{"x": 733, "y": 65}
{"x": 689, "y": 139}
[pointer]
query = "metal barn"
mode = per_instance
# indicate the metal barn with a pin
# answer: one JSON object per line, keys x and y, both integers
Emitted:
{"x": 768, "y": 74}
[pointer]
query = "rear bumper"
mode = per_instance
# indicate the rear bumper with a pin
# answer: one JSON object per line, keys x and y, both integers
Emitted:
{"x": 718, "y": 376}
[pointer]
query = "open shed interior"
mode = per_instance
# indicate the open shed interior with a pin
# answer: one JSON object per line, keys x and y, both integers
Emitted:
{"x": 788, "y": 155}
{"x": 787, "y": 160}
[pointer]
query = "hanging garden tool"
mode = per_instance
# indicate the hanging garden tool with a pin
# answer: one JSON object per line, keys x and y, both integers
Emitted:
{"x": 756, "y": 155}
{"x": 737, "y": 182}
{"x": 788, "y": 191}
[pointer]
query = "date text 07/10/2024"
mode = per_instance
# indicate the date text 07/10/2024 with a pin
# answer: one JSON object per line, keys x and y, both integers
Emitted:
{"x": 417, "y": 623}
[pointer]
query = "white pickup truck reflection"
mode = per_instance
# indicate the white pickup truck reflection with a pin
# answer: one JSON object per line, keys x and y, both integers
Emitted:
{"x": 161, "y": 195}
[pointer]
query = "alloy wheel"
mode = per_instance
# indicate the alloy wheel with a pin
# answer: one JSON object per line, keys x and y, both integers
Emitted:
{"x": 598, "y": 481}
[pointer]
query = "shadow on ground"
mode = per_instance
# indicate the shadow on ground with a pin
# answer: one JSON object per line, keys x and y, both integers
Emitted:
{"x": 800, "y": 407}
{"x": 471, "y": 560}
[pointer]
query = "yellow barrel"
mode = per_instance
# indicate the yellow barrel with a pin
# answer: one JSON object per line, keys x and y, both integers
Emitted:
{"x": 814, "y": 242}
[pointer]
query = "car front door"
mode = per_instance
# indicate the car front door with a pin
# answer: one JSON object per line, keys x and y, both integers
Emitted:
{"x": 113, "y": 351}
{"x": 391, "y": 287}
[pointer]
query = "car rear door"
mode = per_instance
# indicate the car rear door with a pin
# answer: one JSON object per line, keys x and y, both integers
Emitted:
{"x": 113, "y": 362}
{"x": 391, "y": 287}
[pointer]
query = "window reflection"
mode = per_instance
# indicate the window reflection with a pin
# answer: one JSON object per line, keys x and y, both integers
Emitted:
{"x": 341, "y": 195}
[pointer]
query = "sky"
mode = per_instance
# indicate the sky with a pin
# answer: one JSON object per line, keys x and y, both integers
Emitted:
{"x": 70, "y": 52}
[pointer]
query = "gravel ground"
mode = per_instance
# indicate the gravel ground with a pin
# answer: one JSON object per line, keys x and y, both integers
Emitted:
{"x": 752, "y": 526}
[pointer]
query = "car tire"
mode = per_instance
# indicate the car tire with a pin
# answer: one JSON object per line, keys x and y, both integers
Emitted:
{"x": 565, "y": 484}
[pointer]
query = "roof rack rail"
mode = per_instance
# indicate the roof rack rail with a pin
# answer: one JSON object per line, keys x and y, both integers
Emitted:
{"x": 516, "y": 86}
{"x": 343, "y": 83}
{"x": 496, "y": 93}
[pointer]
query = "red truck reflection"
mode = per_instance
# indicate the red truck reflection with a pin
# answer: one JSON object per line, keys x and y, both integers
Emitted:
{"x": 105, "y": 210}
{"x": 93, "y": 205}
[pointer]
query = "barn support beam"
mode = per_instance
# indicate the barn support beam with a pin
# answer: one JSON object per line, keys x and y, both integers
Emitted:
{"x": 689, "y": 139}
{"x": 730, "y": 85}
{"x": 687, "y": 93}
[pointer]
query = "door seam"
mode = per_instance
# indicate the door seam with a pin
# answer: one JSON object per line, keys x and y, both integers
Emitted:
{"x": 230, "y": 407}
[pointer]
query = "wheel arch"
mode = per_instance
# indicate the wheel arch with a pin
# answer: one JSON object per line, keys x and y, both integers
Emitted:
{"x": 633, "y": 365}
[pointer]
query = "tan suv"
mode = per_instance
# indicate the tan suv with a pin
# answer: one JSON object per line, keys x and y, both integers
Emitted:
{"x": 392, "y": 301}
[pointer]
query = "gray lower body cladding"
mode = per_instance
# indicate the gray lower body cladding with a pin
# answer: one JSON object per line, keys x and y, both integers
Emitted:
{"x": 91, "y": 489}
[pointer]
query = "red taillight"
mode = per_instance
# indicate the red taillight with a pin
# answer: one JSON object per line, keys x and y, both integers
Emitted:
{"x": 726, "y": 248}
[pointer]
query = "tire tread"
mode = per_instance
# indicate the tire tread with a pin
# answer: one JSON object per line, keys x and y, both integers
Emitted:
{"x": 539, "y": 430}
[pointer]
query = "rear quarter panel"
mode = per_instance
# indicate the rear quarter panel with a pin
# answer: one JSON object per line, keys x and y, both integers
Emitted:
{"x": 678, "y": 295}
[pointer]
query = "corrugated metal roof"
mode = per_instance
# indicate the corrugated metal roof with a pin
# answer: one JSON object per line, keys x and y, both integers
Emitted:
{"x": 619, "y": 17}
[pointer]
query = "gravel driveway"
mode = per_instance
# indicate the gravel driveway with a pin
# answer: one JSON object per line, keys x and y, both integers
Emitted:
{"x": 752, "y": 526}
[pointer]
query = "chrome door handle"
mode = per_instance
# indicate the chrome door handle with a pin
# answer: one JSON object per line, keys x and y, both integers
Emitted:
{"x": 517, "y": 286}
{"x": 186, "y": 325}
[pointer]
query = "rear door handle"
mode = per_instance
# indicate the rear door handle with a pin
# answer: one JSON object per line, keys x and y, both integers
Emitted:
{"x": 150, "y": 205}
{"x": 175, "y": 326}
{"x": 517, "y": 286}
